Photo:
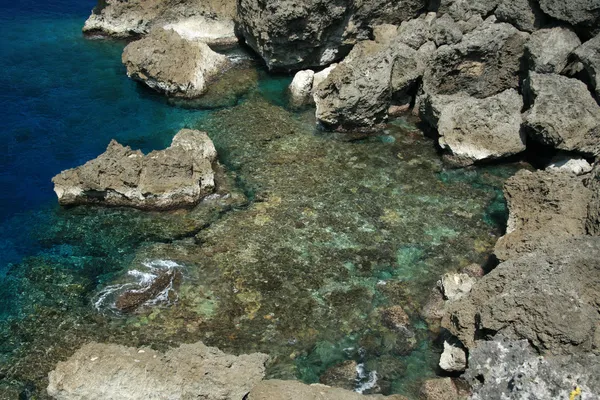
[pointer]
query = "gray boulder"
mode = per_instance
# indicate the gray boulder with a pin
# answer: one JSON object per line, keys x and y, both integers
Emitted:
{"x": 548, "y": 297}
{"x": 357, "y": 93}
{"x": 486, "y": 62}
{"x": 582, "y": 13}
{"x": 564, "y": 113}
{"x": 294, "y": 35}
{"x": 509, "y": 370}
{"x": 473, "y": 129}
{"x": 178, "y": 176}
{"x": 445, "y": 31}
{"x": 462, "y": 10}
{"x": 170, "y": 64}
{"x": 548, "y": 50}
{"x": 525, "y": 15}
{"x": 438, "y": 389}
{"x": 593, "y": 220}
{"x": 455, "y": 285}
{"x": 543, "y": 206}
{"x": 589, "y": 55}
{"x": 416, "y": 32}
{"x": 124, "y": 19}
{"x": 105, "y": 371}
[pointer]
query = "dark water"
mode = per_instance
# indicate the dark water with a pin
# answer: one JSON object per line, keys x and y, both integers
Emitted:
{"x": 335, "y": 230}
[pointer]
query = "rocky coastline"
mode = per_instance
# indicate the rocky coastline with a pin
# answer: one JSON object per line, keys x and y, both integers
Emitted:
{"x": 490, "y": 80}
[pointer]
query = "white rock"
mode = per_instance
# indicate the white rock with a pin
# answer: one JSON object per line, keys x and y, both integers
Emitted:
{"x": 454, "y": 286}
{"x": 322, "y": 75}
{"x": 578, "y": 166}
{"x": 453, "y": 359}
{"x": 301, "y": 87}
{"x": 202, "y": 29}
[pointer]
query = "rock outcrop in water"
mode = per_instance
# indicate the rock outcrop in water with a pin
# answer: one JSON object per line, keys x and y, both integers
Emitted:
{"x": 105, "y": 371}
{"x": 170, "y": 64}
{"x": 178, "y": 176}
{"x": 210, "y": 21}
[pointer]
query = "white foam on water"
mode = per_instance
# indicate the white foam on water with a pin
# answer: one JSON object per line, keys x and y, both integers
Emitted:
{"x": 361, "y": 374}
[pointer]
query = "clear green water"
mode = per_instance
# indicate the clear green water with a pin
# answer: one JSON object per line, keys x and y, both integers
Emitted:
{"x": 320, "y": 233}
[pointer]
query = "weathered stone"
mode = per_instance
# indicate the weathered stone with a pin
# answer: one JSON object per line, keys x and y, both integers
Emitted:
{"x": 445, "y": 31}
{"x": 395, "y": 318}
{"x": 548, "y": 297}
{"x": 138, "y": 17}
{"x": 292, "y": 390}
{"x": 166, "y": 62}
{"x": 213, "y": 32}
{"x": 525, "y": 15}
{"x": 474, "y": 129}
{"x": 291, "y": 35}
{"x": 486, "y": 62}
{"x": 385, "y": 33}
{"x": 321, "y": 76}
{"x": 577, "y": 166}
{"x": 589, "y": 55}
{"x": 342, "y": 375}
{"x": 438, "y": 389}
{"x": 455, "y": 286}
{"x": 548, "y": 49}
{"x": 406, "y": 73}
{"x": 105, "y": 371}
{"x": 168, "y": 280}
{"x": 357, "y": 93}
{"x": 563, "y": 115}
{"x": 462, "y": 10}
{"x": 543, "y": 206}
{"x": 593, "y": 220}
{"x": 178, "y": 176}
{"x": 453, "y": 359}
{"x": 301, "y": 88}
{"x": 416, "y": 32}
{"x": 502, "y": 369}
{"x": 584, "y": 13}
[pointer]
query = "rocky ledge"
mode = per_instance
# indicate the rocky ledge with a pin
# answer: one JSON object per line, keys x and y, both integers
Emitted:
{"x": 105, "y": 371}
{"x": 178, "y": 176}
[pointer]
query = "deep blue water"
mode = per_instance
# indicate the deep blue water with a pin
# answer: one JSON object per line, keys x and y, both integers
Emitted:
{"x": 62, "y": 99}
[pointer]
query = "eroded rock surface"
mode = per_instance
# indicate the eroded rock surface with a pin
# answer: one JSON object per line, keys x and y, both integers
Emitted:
{"x": 525, "y": 15}
{"x": 548, "y": 49}
{"x": 178, "y": 176}
{"x": 453, "y": 359}
{"x": 548, "y": 297}
{"x": 105, "y": 371}
{"x": 589, "y": 55}
{"x": 166, "y": 62}
{"x": 582, "y": 13}
{"x": 564, "y": 114}
{"x": 293, "y": 390}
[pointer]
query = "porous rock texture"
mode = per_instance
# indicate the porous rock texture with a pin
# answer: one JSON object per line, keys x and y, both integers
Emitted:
{"x": 178, "y": 176}
{"x": 106, "y": 371}
{"x": 548, "y": 50}
{"x": 593, "y": 220}
{"x": 563, "y": 113}
{"x": 473, "y": 129}
{"x": 438, "y": 389}
{"x": 486, "y": 62}
{"x": 589, "y": 55}
{"x": 525, "y": 15}
{"x": 170, "y": 64}
{"x": 548, "y": 297}
{"x": 543, "y": 206}
{"x": 504, "y": 369}
{"x": 293, "y": 35}
{"x": 292, "y": 390}
{"x": 122, "y": 19}
{"x": 584, "y": 14}
{"x": 453, "y": 358}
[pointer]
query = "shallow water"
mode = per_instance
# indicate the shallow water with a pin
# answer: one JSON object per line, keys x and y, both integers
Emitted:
{"x": 320, "y": 233}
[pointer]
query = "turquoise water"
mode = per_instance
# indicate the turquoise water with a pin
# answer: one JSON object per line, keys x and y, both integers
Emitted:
{"x": 321, "y": 234}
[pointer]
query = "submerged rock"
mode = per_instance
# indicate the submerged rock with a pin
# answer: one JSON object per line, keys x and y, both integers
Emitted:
{"x": 473, "y": 129}
{"x": 170, "y": 64}
{"x": 543, "y": 206}
{"x": 167, "y": 281}
{"x": 105, "y": 371}
{"x": 293, "y": 390}
{"x": 486, "y": 62}
{"x": 548, "y": 297}
{"x": 123, "y": 19}
{"x": 438, "y": 389}
{"x": 343, "y": 375}
{"x": 589, "y": 55}
{"x": 178, "y": 176}
{"x": 563, "y": 115}
{"x": 548, "y": 50}
{"x": 509, "y": 370}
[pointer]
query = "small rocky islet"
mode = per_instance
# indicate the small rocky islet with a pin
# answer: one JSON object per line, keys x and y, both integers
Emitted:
{"x": 429, "y": 229}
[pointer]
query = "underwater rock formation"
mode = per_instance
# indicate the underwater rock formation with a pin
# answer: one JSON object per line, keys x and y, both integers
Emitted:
{"x": 290, "y": 35}
{"x": 292, "y": 390}
{"x": 563, "y": 113}
{"x": 123, "y": 19}
{"x": 548, "y": 296}
{"x": 178, "y": 176}
{"x": 106, "y": 371}
{"x": 504, "y": 369}
{"x": 168, "y": 63}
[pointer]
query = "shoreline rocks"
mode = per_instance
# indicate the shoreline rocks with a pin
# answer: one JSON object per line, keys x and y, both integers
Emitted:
{"x": 105, "y": 371}
{"x": 178, "y": 176}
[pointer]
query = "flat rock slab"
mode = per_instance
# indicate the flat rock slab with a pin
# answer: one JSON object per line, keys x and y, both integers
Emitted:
{"x": 178, "y": 176}
{"x": 293, "y": 390}
{"x": 107, "y": 371}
